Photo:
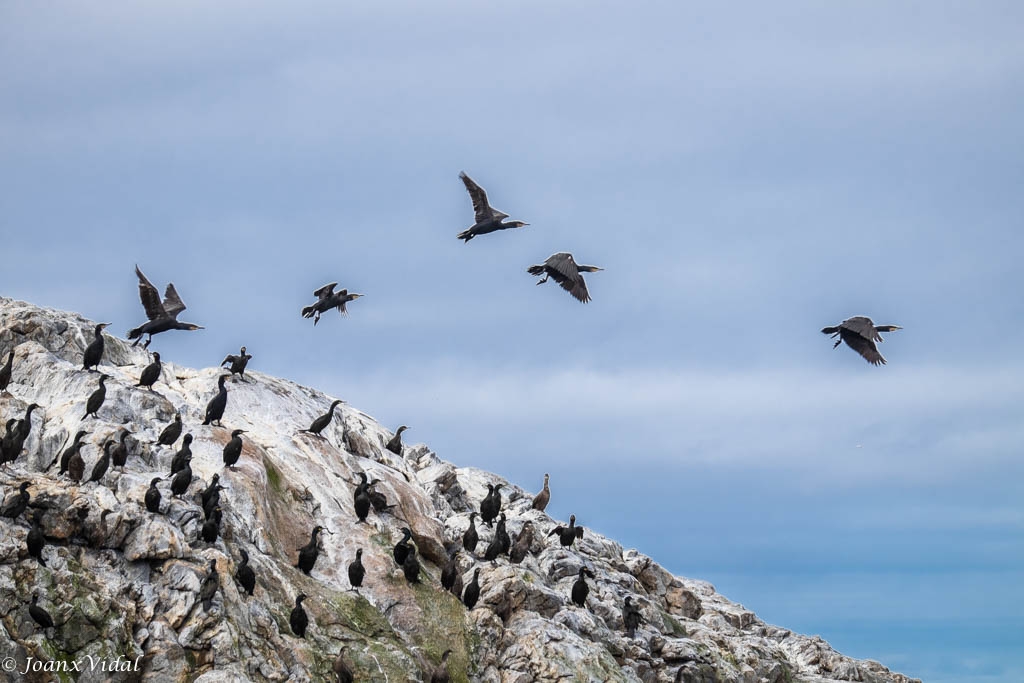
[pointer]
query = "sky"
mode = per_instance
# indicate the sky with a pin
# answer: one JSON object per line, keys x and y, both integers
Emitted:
{"x": 746, "y": 175}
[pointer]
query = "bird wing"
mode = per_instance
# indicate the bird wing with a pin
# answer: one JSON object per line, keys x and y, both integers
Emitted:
{"x": 150, "y": 297}
{"x": 862, "y": 326}
{"x": 865, "y": 347}
{"x": 563, "y": 268}
{"x": 173, "y": 305}
{"x": 325, "y": 291}
{"x": 483, "y": 210}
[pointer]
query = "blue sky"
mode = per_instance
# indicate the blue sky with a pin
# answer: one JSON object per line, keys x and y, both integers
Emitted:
{"x": 746, "y": 175}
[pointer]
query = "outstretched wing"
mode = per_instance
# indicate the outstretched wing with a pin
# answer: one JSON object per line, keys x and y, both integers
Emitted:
{"x": 483, "y": 210}
{"x": 150, "y": 297}
{"x": 862, "y": 326}
{"x": 865, "y": 347}
{"x": 173, "y": 305}
{"x": 325, "y": 291}
{"x": 563, "y": 268}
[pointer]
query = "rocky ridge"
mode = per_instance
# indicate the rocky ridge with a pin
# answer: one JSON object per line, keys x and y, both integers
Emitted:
{"x": 121, "y": 581}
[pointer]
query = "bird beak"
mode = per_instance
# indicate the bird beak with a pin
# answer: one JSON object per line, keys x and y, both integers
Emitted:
{"x": 104, "y": 324}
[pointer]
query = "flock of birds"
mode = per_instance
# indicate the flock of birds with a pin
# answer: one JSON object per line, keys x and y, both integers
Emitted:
{"x": 859, "y": 333}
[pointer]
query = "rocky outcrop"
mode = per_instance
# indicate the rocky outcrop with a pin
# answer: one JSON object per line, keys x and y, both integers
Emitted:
{"x": 120, "y": 581}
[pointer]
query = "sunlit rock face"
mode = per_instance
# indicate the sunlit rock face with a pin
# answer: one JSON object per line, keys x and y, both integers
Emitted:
{"x": 121, "y": 581}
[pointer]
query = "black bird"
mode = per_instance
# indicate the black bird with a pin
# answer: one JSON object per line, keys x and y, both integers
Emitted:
{"x": 65, "y": 457}
{"x": 151, "y": 373}
{"x": 96, "y": 399}
{"x": 377, "y": 499}
{"x": 36, "y": 541}
{"x": 327, "y": 299}
{"x": 562, "y": 267}
{"x": 209, "y": 587}
{"x": 101, "y": 466}
{"x": 631, "y": 617}
{"x": 580, "y": 589}
{"x": 211, "y": 494}
{"x": 440, "y": 674}
{"x": 211, "y": 527}
{"x": 411, "y": 566}
{"x": 320, "y": 423}
{"x": 153, "y": 496}
{"x": 162, "y": 316}
{"x": 341, "y": 668}
{"x": 180, "y": 481}
{"x": 490, "y": 506}
{"x": 298, "y": 619}
{"x": 541, "y": 500}
{"x": 215, "y": 408}
{"x": 94, "y": 351}
{"x": 395, "y": 444}
{"x": 522, "y": 545}
{"x": 171, "y": 432}
{"x": 183, "y": 454}
{"x": 233, "y": 448}
{"x": 17, "y": 433}
{"x": 470, "y": 538}
{"x": 38, "y": 614}
{"x": 356, "y": 571}
{"x": 362, "y": 504}
{"x": 238, "y": 362}
{"x": 487, "y": 218}
{"x": 568, "y": 534}
{"x": 17, "y": 503}
{"x": 860, "y": 334}
{"x": 402, "y": 547}
{"x": 245, "y": 575}
{"x": 500, "y": 543}
{"x": 119, "y": 456}
{"x": 472, "y": 593}
{"x": 7, "y": 442}
{"x": 450, "y": 571}
{"x": 5, "y": 372}
{"x": 76, "y": 466}
{"x": 309, "y": 552}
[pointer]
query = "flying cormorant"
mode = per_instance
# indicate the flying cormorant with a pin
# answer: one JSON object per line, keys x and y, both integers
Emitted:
{"x": 472, "y": 593}
{"x": 94, "y": 351}
{"x": 245, "y": 575}
{"x": 631, "y": 617}
{"x": 490, "y": 506}
{"x": 401, "y": 549}
{"x": 36, "y": 541}
{"x": 5, "y": 372}
{"x": 356, "y": 571}
{"x": 209, "y": 587}
{"x": 17, "y": 503}
{"x": 183, "y": 454}
{"x": 215, "y": 408}
{"x": 450, "y": 571}
{"x": 309, "y": 552}
{"x": 860, "y": 334}
{"x": 567, "y": 534}
{"x": 153, "y": 496}
{"x": 180, "y": 481}
{"x": 233, "y": 448}
{"x": 96, "y": 399}
{"x": 470, "y": 538}
{"x": 65, "y": 457}
{"x": 320, "y": 423}
{"x": 238, "y": 362}
{"x": 522, "y": 545}
{"x": 101, "y": 466}
{"x": 298, "y": 619}
{"x": 562, "y": 267}
{"x": 540, "y": 501}
{"x": 327, "y": 299}
{"x": 580, "y": 589}
{"x": 162, "y": 316}
{"x": 171, "y": 432}
{"x": 440, "y": 674}
{"x": 488, "y": 219}
{"x": 341, "y": 668}
{"x": 395, "y": 444}
{"x": 119, "y": 456}
{"x": 411, "y": 566}
{"x": 38, "y": 614}
{"x": 151, "y": 373}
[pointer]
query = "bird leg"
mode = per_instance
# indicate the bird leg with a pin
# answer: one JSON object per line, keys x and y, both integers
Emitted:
{"x": 146, "y": 345}
{"x": 838, "y": 342}
{"x": 543, "y": 280}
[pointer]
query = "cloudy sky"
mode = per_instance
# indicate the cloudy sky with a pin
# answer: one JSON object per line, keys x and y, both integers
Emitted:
{"x": 745, "y": 175}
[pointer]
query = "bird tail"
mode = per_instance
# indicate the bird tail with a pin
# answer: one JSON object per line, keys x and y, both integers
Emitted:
{"x": 308, "y": 311}
{"x": 466, "y": 235}
{"x": 535, "y": 270}
{"x": 135, "y": 333}
{"x": 829, "y": 330}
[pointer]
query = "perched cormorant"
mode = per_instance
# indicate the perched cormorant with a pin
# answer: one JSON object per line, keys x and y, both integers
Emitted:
{"x": 36, "y": 541}
{"x": 631, "y": 617}
{"x": 580, "y": 589}
{"x": 96, "y": 399}
{"x": 522, "y": 545}
{"x": 17, "y": 503}
{"x": 233, "y": 448}
{"x": 183, "y": 454}
{"x": 38, "y": 614}
{"x": 362, "y": 504}
{"x": 209, "y": 587}
{"x": 215, "y": 408}
{"x": 5, "y": 372}
{"x": 395, "y": 444}
{"x": 567, "y": 534}
{"x": 440, "y": 674}
{"x": 65, "y": 457}
{"x": 860, "y": 334}
{"x": 171, "y": 432}
{"x": 211, "y": 494}
{"x": 472, "y": 593}
{"x": 327, "y": 299}
{"x": 94, "y": 351}
{"x": 356, "y": 571}
{"x": 14, "y": 441}
{"x": 500, "y": 543}
{"x": 411, "y": 566}
{"x": 211, "y": 527}
{"x": 298, "y": 619}
{"x": 119, "y": 456}
{"x": 562, "y": 267}
{"x": 341, "y": 669}
{"x": 153, "y": 496}
{"x": 401, "y": 549}
{"x": 309, "y": 552}
{"x": 238, "y": 362}
{"x": 245, "y": 575}
{"x": 456, "y": 588}
{"x": 180, "y": 481}
{"x": 76, "y": 466}
{"x": 162, "y": 316}
{"x": 490, "y": 506}
{"x": 101, "y": 466}
{"x": 540, "y": 501}
{"x": 488, "y": 219}
{"x": 450, "y": 571}
{"x": 151, "y": 373}
{"x": 470, "y": 538}
{"x": 320, "y": 423}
